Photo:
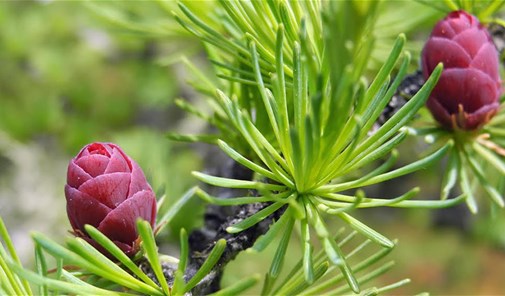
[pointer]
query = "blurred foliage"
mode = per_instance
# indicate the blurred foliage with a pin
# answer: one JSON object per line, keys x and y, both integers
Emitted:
{"x": 62, "y": 77}
{"x": 392, "y": 21}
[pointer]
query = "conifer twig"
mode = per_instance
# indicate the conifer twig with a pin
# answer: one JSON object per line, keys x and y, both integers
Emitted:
{"x": 216, "y": 220}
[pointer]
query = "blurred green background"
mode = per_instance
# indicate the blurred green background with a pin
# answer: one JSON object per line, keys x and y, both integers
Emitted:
{"x": 74, "y": 73}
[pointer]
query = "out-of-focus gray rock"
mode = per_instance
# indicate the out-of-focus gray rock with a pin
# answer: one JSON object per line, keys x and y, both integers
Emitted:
{"x": 31, "y": 193}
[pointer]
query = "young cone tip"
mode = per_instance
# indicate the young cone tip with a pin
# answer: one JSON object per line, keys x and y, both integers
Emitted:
{"x": 467, "y": 94}
{"x": 108, "y": 190}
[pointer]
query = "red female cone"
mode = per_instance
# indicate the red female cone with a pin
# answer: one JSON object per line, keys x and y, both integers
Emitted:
{"x": 467, "y": 94}
{"x": 107, "y": 189}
